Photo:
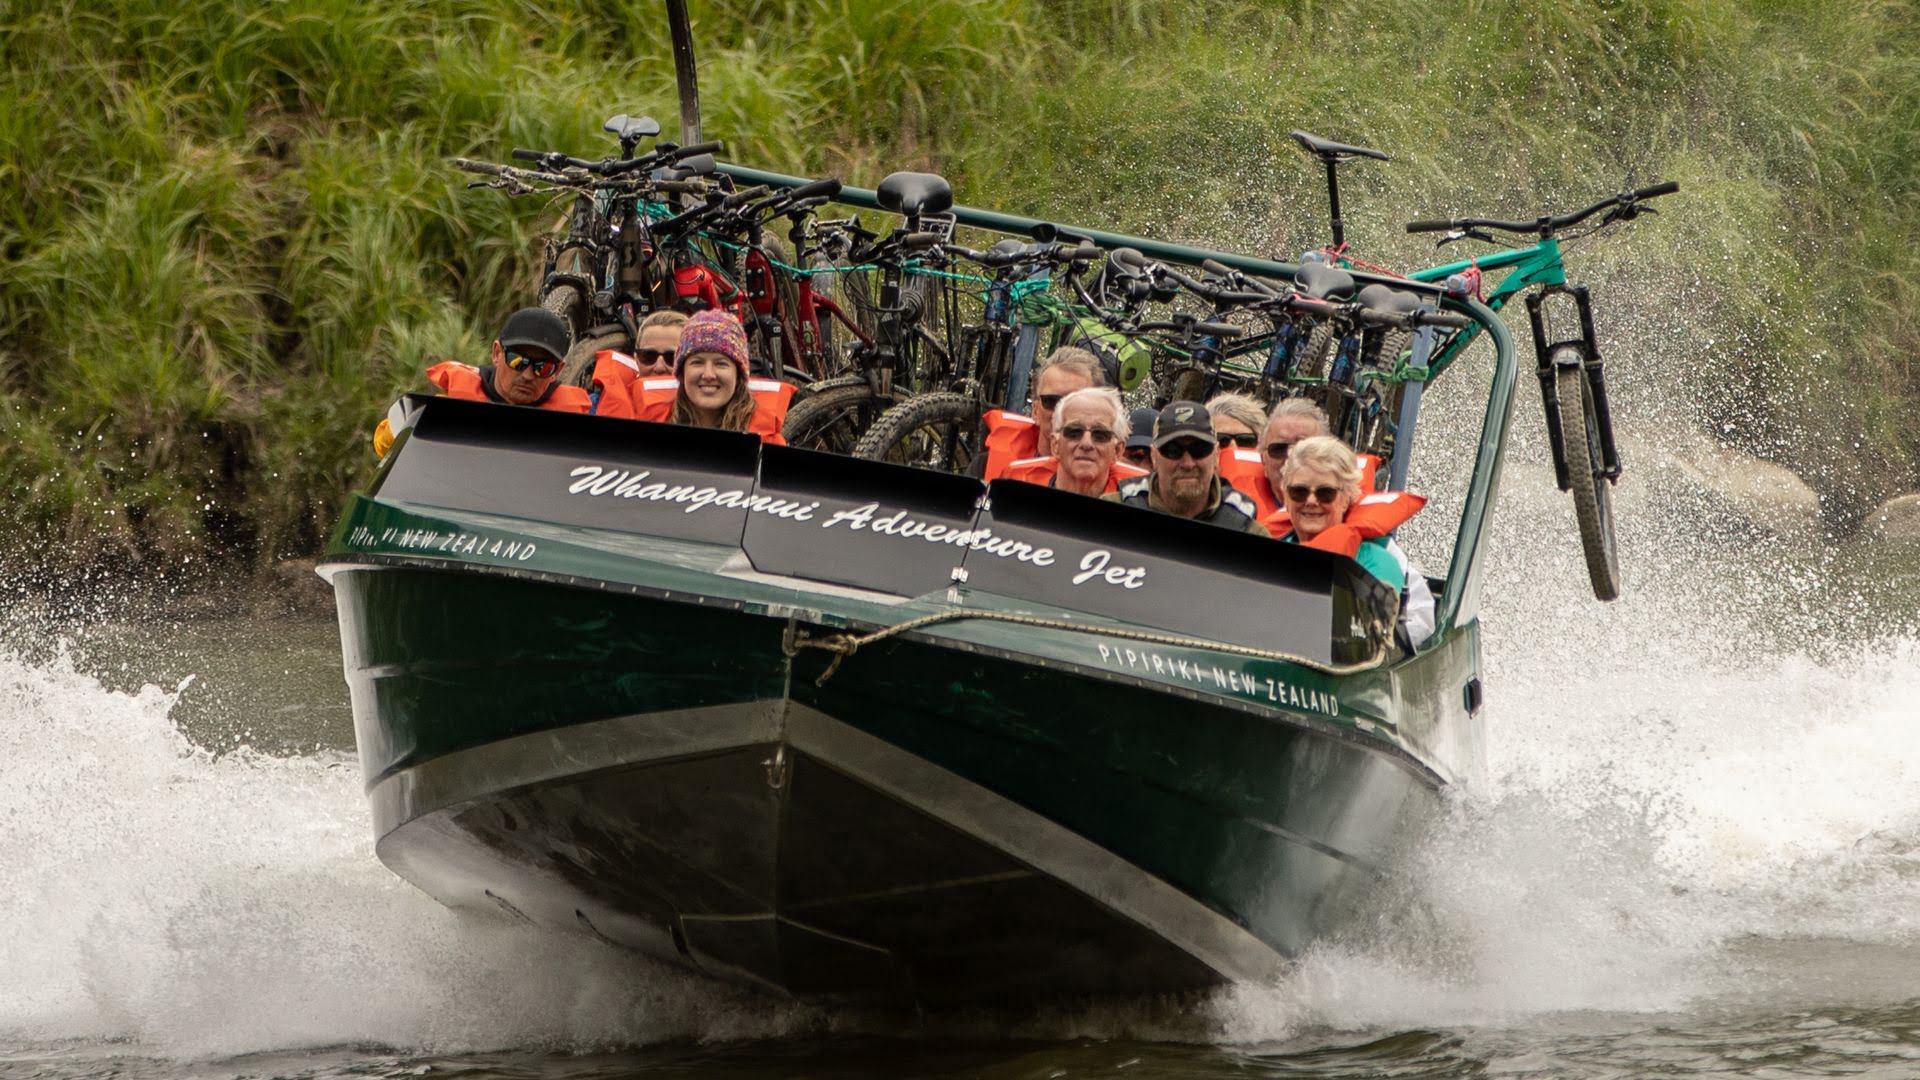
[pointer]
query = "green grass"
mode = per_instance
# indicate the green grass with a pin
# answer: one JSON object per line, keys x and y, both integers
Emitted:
{"x": 229, "y": 233}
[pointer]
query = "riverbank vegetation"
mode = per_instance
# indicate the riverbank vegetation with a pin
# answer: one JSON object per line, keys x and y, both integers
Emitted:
{"x": 230, "y": 234}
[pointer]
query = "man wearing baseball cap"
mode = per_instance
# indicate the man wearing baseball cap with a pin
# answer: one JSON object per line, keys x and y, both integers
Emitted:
{"x": 1185, "y": 481}
{"x": 524, "y": 370}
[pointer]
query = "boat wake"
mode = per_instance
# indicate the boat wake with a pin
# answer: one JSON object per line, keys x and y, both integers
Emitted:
{"x": 1701, "y": 796}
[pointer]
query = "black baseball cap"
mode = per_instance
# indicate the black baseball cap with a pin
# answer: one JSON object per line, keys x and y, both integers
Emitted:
{"x": 537, "y": 329}
{"x": 1182, "y": 419}
{"x": 1140, "y": 428}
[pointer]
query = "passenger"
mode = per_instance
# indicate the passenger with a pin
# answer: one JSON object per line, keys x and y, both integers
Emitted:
{"x": 1184, "y": 482}
{"x": 614, "y": 371}
{"x": 1086, "y": 446}
{"x": 713, "y": 388}
{"x": 1292, "y": 420}
{"x": 1326, "y": 510}
{"x": 524, "y": 367}
{"x": 1012, "y": 437}
{"x": 1139, "y": 448}
{"x": 1237, "y": 421}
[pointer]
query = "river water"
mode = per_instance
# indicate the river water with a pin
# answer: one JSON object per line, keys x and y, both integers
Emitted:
{"x": 1696, "y": 852}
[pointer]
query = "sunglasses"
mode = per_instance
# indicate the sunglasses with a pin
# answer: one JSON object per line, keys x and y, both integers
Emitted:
{"x": 1139, "y": 455}
{"x": 540, "y": 366}
{"x": 650, "y": 357}
{"x": 1278, "y": 450}
{"x": 1187, "y": 448}
{"x": 1074, "y": 432}
{"x": 1299, "y": 492}
{"x": 1245, "y": 438}
{"x": 1049, "y": 402}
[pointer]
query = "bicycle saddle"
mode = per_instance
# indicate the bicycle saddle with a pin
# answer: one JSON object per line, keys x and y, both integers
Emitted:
{"x": 1327, "y": 148}
{"x": 911, "y": 194}
{"x": 632, "y": 128}
{"x": 1385, "y": 298}
{"x": 1323, "y": 282}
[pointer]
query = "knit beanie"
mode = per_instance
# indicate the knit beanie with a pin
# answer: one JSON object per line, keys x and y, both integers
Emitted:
{"x": 712, "y": 330}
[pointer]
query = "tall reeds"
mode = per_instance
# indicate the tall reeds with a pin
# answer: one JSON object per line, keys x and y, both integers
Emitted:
{"x": 229, "y": 233}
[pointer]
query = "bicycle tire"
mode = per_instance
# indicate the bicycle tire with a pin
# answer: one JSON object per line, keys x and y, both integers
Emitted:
{"x": 566, "y": 302}
{"x": 931, "y": 431}
{"x": 832, "y": 419}
{"x": 1592, "y": 501}
{"x": 578, "y": 368}
{"x": 1316, "y": 352}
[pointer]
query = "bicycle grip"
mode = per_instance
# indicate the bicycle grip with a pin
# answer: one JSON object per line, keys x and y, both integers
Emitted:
{"x": 1447, "y": 319}
{"x": 1429, "y": 226}
{"x": 1217, "y": 269}
{"x": 680, "y": 153}
{"x": 828, "y": 186}
{"x": 1217, "y": 329}
{"x": 1666, "y": 187}
{"x": 920, "y": 241}
{"x": 521, "y": 153}
{"x": 1083, "y": 253}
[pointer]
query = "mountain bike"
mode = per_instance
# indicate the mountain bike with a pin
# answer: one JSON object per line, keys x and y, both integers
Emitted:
{"x": 893, "y": 298}
{"x": 1572, "y": 375}
{"x": 941, "y": 426}
{"x": 595, "y": 274}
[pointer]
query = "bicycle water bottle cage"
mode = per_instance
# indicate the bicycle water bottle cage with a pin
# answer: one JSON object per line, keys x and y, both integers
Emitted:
{"x": 911, "y": 194}
{"x": 1323, "y": 282}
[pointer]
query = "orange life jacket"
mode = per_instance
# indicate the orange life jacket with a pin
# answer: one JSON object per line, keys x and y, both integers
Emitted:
{"x": 1040, "y": 471}
{"x": 1247, "y": 470}
{"x": 653, "y": 400}
{"x": 1011, "y": 437}
{"x": 613, "y": 375}
{"x": 462, "y": 381}
{"x": 1369, "y": 518}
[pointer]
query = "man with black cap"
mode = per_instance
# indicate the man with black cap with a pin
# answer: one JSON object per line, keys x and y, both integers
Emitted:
{"x": 1139, "y": 447}
{"x": 525, "y": 370}
{"x": 1185, "y": 481}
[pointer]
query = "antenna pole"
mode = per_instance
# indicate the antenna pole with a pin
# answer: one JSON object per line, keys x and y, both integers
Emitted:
{"x": 683, "y": 69}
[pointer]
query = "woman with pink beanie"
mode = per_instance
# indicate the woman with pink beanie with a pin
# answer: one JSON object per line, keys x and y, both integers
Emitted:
{"x": 711, "y": 387}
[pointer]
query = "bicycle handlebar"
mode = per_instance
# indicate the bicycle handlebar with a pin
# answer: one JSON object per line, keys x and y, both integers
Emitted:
{"x": 664, "y": 155}
{"x": 1055, "y": 251}
{"x": 1546, "y": 225}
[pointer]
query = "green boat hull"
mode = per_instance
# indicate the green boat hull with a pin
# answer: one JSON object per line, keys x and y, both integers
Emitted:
{"x": 638, "y": 739}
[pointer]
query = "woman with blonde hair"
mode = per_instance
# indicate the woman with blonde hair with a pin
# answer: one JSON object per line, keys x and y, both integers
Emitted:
{"x": 1325, "y": 509}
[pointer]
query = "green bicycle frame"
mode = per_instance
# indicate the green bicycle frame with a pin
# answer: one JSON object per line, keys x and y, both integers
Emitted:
{"x": 1527, "y": 267}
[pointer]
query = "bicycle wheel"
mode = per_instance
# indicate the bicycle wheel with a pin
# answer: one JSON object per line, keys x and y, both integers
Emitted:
{"x": 1592, "y": 495}
{"x": 1316, "y": 352}
{"x": 832, "y": 419}
{"x": 932, "y": 431}
{"x": 578, "y": 369}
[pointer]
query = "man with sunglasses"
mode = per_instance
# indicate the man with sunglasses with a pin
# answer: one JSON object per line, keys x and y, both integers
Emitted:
{"x": 1291, "y": 421}
{"x": 1088, "y": 427}
{"x": 1184, "y": 481}
{"x": 615, "y": 372}
{"x": 525, "y": 370}
{"x": 1012, "y": 436}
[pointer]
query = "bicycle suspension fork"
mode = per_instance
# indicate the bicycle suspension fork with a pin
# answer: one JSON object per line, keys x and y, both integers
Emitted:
{"x": 1583, "y": 351}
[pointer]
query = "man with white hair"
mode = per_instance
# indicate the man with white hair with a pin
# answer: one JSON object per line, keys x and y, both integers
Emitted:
{"x": 1089, "y": 427}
